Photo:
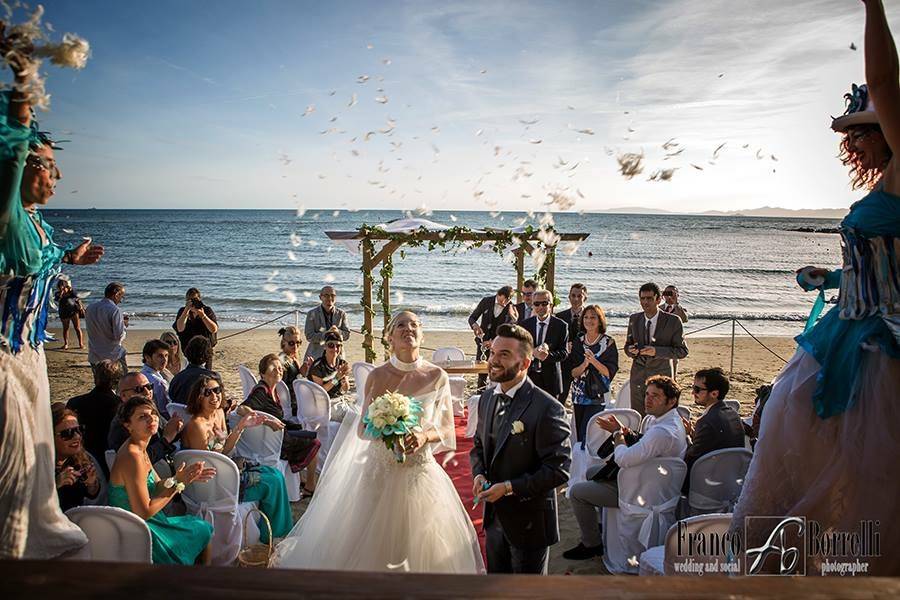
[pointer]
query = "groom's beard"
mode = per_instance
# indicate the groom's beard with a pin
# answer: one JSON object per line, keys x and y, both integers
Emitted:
{"x": 508, "y": 373}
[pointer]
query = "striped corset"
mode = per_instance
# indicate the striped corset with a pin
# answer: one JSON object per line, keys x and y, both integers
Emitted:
{"x": 26, "y": 306}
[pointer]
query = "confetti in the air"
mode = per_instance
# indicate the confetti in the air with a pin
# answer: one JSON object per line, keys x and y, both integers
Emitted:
{"x": 630, "y": 164}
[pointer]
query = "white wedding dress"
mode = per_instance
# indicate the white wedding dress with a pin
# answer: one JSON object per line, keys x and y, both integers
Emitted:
{"x": 371, "y": 513}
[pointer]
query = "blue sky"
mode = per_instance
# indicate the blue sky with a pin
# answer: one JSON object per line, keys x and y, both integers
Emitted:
{"x": 201, "y": 104}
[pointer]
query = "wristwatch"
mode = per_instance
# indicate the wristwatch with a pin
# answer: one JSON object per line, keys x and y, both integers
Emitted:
{"x": 169, "y": 483}
{"x": 619, "y": 437}
{"x": 509, "y": 489}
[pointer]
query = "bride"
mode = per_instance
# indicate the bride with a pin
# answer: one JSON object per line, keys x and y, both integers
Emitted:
{"x": 372, "y": 513}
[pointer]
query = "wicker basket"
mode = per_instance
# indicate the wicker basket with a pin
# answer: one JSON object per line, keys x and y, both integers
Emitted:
{"x": 256, "y": 555}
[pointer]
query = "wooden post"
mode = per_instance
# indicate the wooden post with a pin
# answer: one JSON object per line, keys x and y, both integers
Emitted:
{"x": 520, "y": 272}
{"x": 551, "y": 270}
{"x": 367, "y": 302}
{"x": 386, "y": 307}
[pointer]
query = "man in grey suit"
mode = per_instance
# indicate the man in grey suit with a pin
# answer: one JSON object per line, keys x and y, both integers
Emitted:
{"x": 325, "y": 318}
{"x": 655, "y": 339}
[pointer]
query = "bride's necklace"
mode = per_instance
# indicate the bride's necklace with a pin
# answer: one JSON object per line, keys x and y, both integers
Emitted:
{"x": 405, "y": 366}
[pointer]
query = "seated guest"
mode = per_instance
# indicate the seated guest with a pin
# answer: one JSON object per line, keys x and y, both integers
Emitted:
{"x": 595, "y": 361}
{"x": 136, "y": 487}
{"x": 292, "y": 364}
{"x": 77, "y": 473}
{"x": 664, "y": 437}
{"x": 299, "y": 448}
{"x": 173, "y": 366}
{"x": 96, "y": 410}
{"x": 198, "y": 352}
{"x": 207, "y": 430}
{"x": 160, "y": 446}
{"x": 719, "y": 426}
{"x": 331, "y": 371}
{"x": 155, "y": 356}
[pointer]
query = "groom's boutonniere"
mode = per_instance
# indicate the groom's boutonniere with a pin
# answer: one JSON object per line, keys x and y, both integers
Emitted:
{"x": 518, "y": 427}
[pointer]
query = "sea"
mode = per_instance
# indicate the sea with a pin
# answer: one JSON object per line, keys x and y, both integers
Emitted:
{"x": 253, "y": 266}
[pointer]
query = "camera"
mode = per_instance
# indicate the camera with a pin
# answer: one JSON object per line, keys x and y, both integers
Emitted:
{"x": 196, "y": 303}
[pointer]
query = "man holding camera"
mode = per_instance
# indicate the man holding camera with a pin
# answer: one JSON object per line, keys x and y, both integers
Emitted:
{"x": 655, "y": 341}
{"x": 196, "y": 318}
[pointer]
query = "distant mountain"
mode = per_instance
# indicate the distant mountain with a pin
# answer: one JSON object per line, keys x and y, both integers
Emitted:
{"x": 765, "y": 211}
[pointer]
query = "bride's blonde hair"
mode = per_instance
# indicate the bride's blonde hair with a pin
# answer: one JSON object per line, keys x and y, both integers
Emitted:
{"x": 392, "y": 325}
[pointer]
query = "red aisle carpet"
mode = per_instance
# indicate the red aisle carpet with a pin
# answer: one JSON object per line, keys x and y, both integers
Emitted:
{"x": 459, "y": 470}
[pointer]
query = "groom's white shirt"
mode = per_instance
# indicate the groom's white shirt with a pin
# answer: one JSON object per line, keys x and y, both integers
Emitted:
{"x": 511, "y": 392}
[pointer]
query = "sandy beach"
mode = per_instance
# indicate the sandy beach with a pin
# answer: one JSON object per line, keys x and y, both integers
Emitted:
{"x": 753, "y": 366}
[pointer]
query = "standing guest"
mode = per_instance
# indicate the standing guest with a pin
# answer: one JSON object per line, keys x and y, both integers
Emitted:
{"x": 596, "y": 361}
{"x": 299, "y": 448}
{"x": 155, "y": 357}
{"x": 323, "y": 319}
{"x": 828, "y": 440}
{"x": 520, "y": 455}
{"x": 292, "y": 365}
{"x": 671, "y": 305}
{"x": 655, "y": 340}
{"x": 196, "y": 318}
{"x": 96, "y": 410}
{"x": 161, "y": 446}
{"x": 551, "y": 337}
{"x": 135, "y": 486}
{"x": 71, "y": 311}
{"x": 578, "y": 295}
{"x": 77, "y": 479}
{"x": 106, "y": 327}
{"x": 492, "y": 311}
{"x": 664, "y": 437}
{"x": 32, "y": 526}
{"x": 207, "y": 430}
{"x": 523, "y": 309}
{"x": 198, "y": 353}
{"x": 173, "y": 365}
{"x": 719, "y": 427}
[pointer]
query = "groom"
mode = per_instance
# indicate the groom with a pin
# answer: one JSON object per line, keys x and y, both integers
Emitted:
{"x": 521, "y": 448}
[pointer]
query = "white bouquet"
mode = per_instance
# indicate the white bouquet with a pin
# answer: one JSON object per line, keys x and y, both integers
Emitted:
{"x": 390, "y": 417}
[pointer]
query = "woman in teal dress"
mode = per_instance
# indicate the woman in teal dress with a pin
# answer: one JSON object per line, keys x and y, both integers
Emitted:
{"x": 136, "y": 487}
{"x": 207, "y": 430}
{"x": 32, "y": 525}
{"x": 828, "y": 440}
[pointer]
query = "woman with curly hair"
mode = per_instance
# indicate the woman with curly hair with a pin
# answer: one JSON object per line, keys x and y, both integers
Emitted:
{"x": 828, "y": 436}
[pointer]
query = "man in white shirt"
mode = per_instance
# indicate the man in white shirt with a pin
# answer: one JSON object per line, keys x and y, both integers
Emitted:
{"x": 105, "y": 325}
{"x": 156, "y": 357}
{"x": 665, "y": 436}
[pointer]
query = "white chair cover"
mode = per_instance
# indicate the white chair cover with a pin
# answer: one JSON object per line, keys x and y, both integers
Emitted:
{"x": 623, "y": 398}
{"x": 446, "y": 354}
{"x": 248, "y": 381}
{"x": 648, "y": 496}
{"x": 114, "y": 534}
{"x": 684, "y": 412}
{"x": 457, "y": 382}
{"x": 472, "y": 417}
{"x": 110, "y": 456}
{"x": 314, "y": 412}
{"x": 173, "y": 408}
{"x": 733, "y": 404}
{"x": 361, "y": 372}
{"x": 717, "y": 479}
{"x": 263, "y": 445}
{"x": 661, "y": 560}
{"x": 582, "y": 460}
{"x": 284, "y": 397}
{"x": 216, "y": 502}
{"x": 652, "y": 560}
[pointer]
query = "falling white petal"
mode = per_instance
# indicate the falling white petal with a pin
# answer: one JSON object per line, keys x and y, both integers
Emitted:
{"x": 329, "y": 278}
{"x": 289, "y": 296}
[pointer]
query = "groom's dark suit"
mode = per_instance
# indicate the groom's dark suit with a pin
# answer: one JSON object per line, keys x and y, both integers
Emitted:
{"x": 520, "y": 528}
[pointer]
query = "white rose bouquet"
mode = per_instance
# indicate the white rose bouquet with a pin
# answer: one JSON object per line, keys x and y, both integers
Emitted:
{"x": 390, "y": 417}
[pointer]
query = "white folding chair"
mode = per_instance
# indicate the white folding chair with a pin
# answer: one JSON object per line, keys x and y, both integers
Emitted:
{"x": 174, "y": 409}
{"x": 361, "y": 372}
{"x": 263, "y": 445}
{"x": 717, "y": 479}
{"x": 248, "y": 381}
{"x": 662, "y": 560}
{"x": 314, "y": 412}
{"x": 114, "y": 534}
{"x": 594, "y": 436}
{"x": 648, "y": 496}
{"x": 446, "y": 354}
{"x": 216, "y": 502}
{"x": 472, "y": 416}
{"x": 457, "y": 382}
{"x": 733, "y": 404}
{"x": 161, "y": 467}
{"x": 284, "y": 398}
{"x": 684, "y": 412}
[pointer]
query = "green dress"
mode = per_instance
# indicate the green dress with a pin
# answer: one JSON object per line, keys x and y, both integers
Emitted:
{"x": 268, "y": 489}
{"x": 176, "y": 540}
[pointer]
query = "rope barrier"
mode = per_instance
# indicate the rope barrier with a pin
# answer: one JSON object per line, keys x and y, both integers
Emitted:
{"x": 693, "y": 331}
{"x": 759, "y": 342}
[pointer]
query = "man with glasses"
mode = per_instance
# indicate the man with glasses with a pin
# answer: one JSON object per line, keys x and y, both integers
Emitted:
{"x": 106, "y": 323}
{"x": 655, "y": 340}
{"x": 671, "y": 305}
{"x": 551, "y": 338}
{"x": 196, "y": 318}
{"x": 323, "y": 319}
{"x": 162, "y": 445}
{"x": 719, "y": 427}
{"x": 524, "y": 308}
{"x": 578, "y": 295}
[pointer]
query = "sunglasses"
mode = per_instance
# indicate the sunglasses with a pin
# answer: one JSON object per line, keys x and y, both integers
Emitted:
{"x": 541, "y": 303}
{"x": 668, "y": 293}
{"x": 210, "y": 391}
{"x": 140, "y": 389}
{"x": 292, "y": 343}
{"x": 44, "y": 164}
{"x": 333, "y": 345}
{"x": 697, "y": 389}
{"x": 71, "y": 432}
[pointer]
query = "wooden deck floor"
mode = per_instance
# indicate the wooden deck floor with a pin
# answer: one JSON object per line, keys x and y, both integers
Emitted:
{"x": 69, "y": 580}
